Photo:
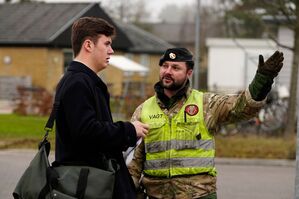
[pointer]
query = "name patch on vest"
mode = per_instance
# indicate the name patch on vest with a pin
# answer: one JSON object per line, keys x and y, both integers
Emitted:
{"x": 155, "y": 116}
{"x": 191, "y": 109}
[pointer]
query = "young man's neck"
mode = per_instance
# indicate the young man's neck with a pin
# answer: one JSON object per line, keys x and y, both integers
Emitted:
{"x": 86, "y": 62}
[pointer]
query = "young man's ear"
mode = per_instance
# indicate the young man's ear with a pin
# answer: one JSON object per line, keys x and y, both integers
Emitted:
{"x": 87, "y": 45}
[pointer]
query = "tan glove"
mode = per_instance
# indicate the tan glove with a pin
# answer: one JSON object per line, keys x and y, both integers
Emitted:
{"x": 272, "y": 66}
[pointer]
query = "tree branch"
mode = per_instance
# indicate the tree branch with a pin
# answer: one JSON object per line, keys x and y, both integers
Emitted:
{"x": 279, "y": 44}
{"x": 280, "y": 13}
{"x": 286, "y": 12}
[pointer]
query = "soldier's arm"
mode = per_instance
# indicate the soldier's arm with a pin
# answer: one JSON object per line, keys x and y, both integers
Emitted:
{"x": 136, "y": 165}
{"x": 231, "y": 108}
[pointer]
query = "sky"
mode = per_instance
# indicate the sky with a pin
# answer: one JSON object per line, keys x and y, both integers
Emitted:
{"x": 152, "y": 5}
{"x": 155, "y": 6}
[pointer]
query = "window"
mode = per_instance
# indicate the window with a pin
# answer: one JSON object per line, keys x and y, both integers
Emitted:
{"x": 68, "y": 58}
{"x": 144, "y": 60}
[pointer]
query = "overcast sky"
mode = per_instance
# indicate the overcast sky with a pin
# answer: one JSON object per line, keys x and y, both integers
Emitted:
{"x": 155, "y": 6}
{"x": 152, "y": 5}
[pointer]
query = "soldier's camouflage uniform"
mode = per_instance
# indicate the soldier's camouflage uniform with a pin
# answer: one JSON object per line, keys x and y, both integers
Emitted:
{"x": 218, "y": 109}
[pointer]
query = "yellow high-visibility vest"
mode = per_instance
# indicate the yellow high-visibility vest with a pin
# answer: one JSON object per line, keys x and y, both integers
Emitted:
{"x": 181, "y": 145}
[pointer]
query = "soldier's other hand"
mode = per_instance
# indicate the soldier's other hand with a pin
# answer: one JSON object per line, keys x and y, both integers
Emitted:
{"x": 272, "y": 66}
{"x": 141, "y": 129}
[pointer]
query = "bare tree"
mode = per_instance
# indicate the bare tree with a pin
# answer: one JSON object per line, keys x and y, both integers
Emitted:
{"x": 171, "y": 13}
{"x": 291, "y": 119}
{"x": 287, "y": 12}
{"x": 281, "y": 11}
{"x": 129, "y": 11}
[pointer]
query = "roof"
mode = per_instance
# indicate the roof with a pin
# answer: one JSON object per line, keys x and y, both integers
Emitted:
{"x": 38, "y": 23}
{"x": 126, "y": 64}
{"x": 143, "y": 42}
{"x": 180, "y": 32}
{"x": 35, "y": 22}
{"x": 49, "y": 24}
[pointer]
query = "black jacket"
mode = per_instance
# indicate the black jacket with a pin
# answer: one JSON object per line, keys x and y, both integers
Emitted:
{"x": 82, "y": 132}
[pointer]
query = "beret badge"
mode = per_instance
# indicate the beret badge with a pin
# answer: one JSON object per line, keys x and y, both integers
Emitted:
{"x": 172, "y": 56}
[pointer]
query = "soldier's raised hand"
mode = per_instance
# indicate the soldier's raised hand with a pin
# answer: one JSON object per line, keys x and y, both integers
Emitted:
{"x": 272, "y": 66}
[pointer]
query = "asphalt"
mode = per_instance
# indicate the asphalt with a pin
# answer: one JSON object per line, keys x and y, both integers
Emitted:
{"x": 237, "y": 178}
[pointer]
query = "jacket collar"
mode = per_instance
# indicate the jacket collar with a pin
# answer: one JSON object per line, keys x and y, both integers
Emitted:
{"x": 76, "y": 66}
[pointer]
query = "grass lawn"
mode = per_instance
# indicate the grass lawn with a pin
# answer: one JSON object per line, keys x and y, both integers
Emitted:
{"x": 21, "y": 131}
{"x": 27, "y": 131}
{"x": 255, "y": 147}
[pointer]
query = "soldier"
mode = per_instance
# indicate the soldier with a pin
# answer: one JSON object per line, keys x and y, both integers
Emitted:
{"x": 176, "y": 159}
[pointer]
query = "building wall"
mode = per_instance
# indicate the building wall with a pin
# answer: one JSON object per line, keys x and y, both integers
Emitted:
{"x": 153, "y": 74}
{"x": 154, "y": 69}
{"x": 116, "y": 78}
{"x": 43, "y": 65}
{"x": 113, "y": 77}
{"x": 232, "y": 64}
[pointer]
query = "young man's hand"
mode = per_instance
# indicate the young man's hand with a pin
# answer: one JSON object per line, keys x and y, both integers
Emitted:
{"x": 272, "y": 66}
{"x": 141, "y": 129}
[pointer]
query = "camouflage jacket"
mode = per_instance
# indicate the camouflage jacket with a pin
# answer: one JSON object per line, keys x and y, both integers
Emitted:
{"x": 218, "y": 109}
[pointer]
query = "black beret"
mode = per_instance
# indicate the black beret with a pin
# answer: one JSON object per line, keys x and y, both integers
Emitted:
{"x": 176, "y": 54}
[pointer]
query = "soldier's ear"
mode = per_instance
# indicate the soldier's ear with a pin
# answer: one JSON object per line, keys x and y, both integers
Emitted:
{"x": 189, "y": 73}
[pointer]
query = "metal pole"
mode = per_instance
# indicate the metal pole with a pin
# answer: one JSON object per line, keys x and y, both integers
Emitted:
{"x": 245, "y": 70}
{"x": 297, "y": 151}
{"x": 197, "y": 47}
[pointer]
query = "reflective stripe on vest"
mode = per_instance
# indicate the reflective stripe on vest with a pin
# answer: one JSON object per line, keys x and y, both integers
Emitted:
{"x": 181, "y": 145}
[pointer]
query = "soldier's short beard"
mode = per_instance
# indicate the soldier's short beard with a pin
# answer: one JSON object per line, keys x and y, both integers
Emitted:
{"x": 174, "y": 86}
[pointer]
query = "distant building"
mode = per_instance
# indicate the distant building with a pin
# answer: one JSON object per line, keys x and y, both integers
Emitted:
{"x": 178, "y": 34}
{"x": 35, "y": 43}
{"x": 232, "y": 63}
{"x": 183, "y": 35}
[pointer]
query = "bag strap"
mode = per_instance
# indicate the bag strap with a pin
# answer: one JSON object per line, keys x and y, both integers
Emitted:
{"x": 50, "y": 123}
{"x": 82, "y": 183}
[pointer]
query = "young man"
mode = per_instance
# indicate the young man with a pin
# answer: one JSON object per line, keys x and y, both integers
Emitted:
{"x": 85, "y": 128}
{"x": 176, "y": 159}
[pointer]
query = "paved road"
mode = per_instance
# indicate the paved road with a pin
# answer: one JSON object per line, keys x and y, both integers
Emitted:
{"x": 239, "y": 179}
{"x": 256, "y": 180}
